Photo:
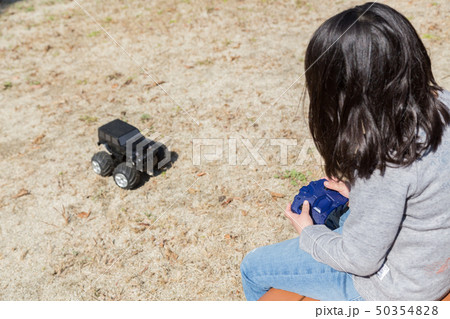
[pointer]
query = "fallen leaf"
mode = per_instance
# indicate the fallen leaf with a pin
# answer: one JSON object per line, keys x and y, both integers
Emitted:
{"x": 38, "y": 140}
{"x": 170, "y": 255}
{"x": 244, "y": 212}
{"x": 152, "y": 85}
{"x": 21, "y": 193}
{"x": 276, "y": 195}
{"x": 143, "y": 270}
{"x": 192, "y": 191}
{"x": 83, "y": 214}
{"x": 225, "y": 203}
{"x": 139, "y": 230}
{"x": 201, "y": 174}
{"x": 144, "y": 224}
{"x": 114, "y": 76}
{"x": 162, "y": 243}
{"x": 134, "y": 253}
{"x": 24, "y": 254}
{"x": 114, "y": 86}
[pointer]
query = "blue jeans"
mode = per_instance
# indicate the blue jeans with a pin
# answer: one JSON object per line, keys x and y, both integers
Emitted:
{"x": 285, "y": 266}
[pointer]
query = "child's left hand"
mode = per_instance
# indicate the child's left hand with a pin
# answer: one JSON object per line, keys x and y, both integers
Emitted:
{"x": 299, "y": 221}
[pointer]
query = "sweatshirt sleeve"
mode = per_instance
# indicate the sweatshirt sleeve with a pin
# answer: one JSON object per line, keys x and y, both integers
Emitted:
{"x": 377, "y": 206}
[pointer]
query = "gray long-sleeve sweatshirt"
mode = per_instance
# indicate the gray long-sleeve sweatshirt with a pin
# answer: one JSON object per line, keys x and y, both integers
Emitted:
{"x": 396, "y": 239}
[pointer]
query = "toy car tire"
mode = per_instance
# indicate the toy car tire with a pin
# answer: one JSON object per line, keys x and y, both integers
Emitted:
{"x": 126, "y": 177}
{"x": 102, "y": 163}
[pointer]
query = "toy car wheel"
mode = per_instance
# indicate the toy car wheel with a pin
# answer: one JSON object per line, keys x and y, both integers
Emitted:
{"x": 125, "y": 176}
{"x": 102, "y": 163}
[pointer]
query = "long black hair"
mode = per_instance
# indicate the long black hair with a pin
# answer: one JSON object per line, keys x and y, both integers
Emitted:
{"x": 373, "y": 97}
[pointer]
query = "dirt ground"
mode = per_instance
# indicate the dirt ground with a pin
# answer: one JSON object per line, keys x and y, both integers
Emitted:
{"x": 68, "y": 234}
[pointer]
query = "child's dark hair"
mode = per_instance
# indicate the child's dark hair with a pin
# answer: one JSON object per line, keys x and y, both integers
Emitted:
{"x": 373, "y": 97}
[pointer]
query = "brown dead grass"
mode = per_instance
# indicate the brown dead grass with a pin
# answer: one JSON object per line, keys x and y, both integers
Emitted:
{"x": 183, "y": 234}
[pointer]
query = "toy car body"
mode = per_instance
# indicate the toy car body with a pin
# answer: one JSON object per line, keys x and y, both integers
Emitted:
{"x": 327, "y": 206}
{"x": 129, "y": 153}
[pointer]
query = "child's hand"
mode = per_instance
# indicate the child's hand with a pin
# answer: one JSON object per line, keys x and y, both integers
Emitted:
{"x": 341, "y": 187}
{"x": 299, "y": 221}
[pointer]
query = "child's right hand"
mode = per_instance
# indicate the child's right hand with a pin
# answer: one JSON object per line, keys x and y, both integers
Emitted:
{"x": 342, "y": 188}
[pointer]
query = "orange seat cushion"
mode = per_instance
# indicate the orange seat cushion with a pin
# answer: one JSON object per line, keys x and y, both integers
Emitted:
{"x": 283, "y": 295}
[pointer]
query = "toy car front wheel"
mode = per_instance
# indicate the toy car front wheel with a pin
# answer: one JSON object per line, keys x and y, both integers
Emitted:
{"x": 102, "y": 163}
{"x": 125, "y": 176}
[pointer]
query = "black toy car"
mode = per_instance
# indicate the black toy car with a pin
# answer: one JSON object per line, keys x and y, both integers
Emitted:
{"x": 129, "y": 154}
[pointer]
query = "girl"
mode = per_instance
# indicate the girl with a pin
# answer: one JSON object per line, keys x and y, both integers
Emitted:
{"x": 380, "y": 121}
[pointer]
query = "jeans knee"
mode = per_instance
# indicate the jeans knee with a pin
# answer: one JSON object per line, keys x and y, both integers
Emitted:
{"x": 244, "y": 266}
{"x": 247, "y": 264}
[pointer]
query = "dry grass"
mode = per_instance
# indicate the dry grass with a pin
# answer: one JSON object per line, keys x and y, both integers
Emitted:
{"x": 66, "y": 233}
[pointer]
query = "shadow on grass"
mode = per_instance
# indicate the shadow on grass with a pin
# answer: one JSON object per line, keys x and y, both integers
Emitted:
{"x": 145, "y": 177}
{"x": 4, "y": 4}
